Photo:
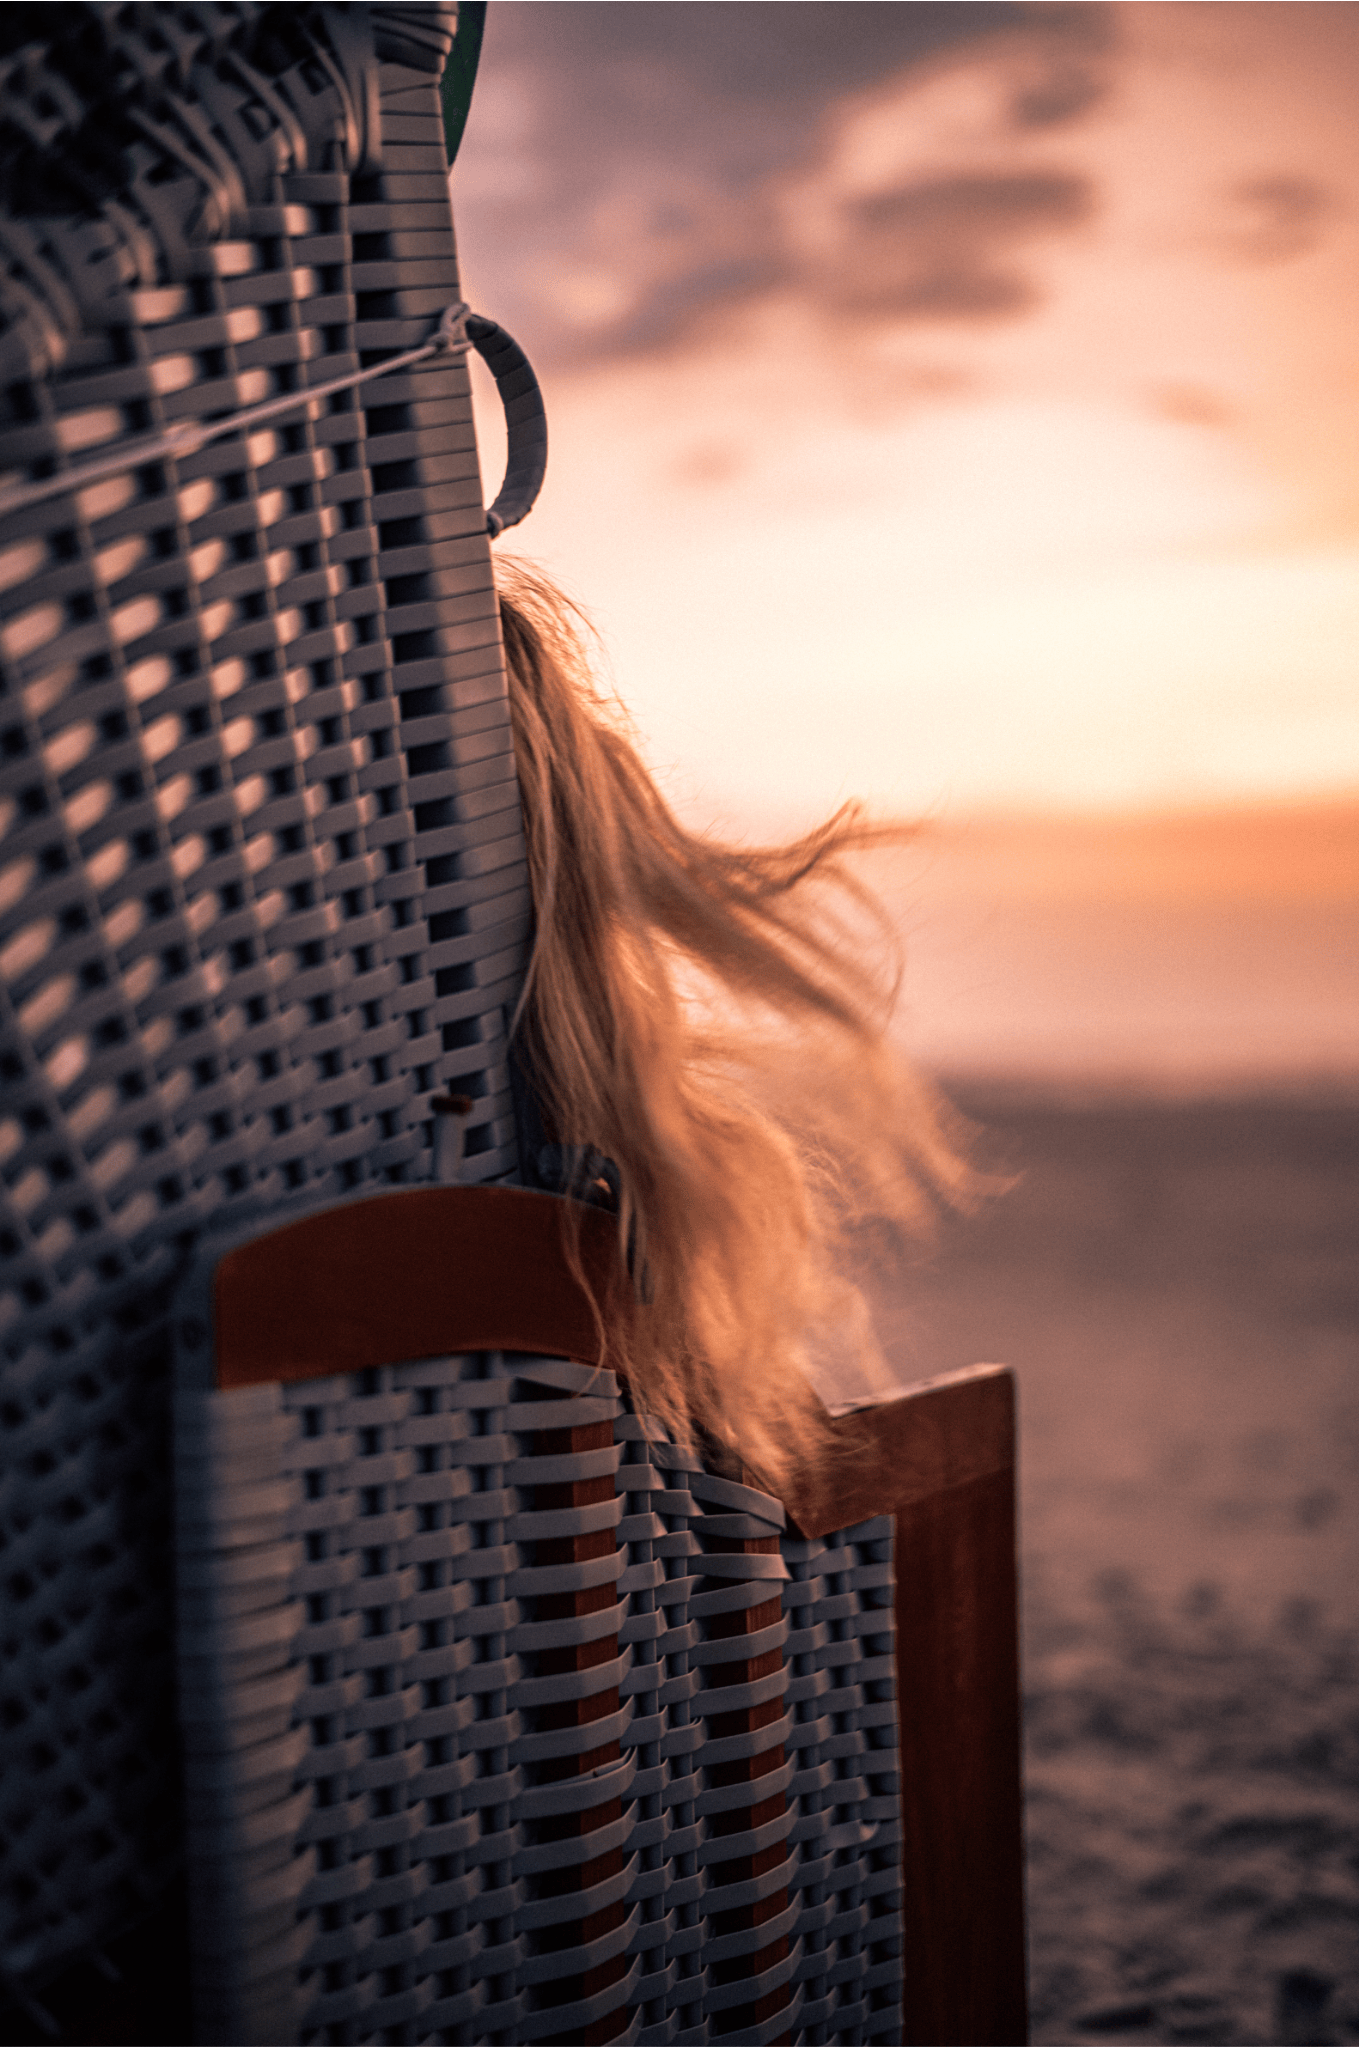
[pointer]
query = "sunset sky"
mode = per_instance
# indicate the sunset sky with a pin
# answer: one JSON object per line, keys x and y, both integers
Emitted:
{"x": 952, "y": 405}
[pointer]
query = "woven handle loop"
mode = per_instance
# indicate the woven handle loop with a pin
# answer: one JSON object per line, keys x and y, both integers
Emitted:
{"x": 525, "y": 420}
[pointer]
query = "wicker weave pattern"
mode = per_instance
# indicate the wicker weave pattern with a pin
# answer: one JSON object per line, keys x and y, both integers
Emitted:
{"x": 847, "y": 1782}
{"x": 262, "y": 885}
{"x": 504, "y": 1721}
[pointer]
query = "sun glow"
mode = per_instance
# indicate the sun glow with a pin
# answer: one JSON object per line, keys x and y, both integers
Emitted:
{"x": 1106, "y": 553}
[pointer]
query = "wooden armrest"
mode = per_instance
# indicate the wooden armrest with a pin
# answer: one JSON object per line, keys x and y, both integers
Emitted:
{"x": 907, "y": 1445}
{"x": 941, "y": 1458}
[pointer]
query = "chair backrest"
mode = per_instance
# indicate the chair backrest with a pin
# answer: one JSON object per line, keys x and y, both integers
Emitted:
{"x": 504, "y": 1718}
{"x": 262, "y": 882}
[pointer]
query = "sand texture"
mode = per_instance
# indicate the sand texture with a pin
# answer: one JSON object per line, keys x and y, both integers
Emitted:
{"x": 1178, "y": 1288}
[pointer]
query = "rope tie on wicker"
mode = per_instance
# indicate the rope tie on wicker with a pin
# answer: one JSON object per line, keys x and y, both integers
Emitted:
{"x": 525, "y": 417}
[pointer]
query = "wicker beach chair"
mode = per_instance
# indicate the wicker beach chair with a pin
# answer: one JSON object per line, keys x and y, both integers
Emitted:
{"x": 433, "y": 1773}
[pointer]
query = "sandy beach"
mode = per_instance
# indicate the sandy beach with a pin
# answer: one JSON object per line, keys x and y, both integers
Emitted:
{"x": 1175, "y": 1283}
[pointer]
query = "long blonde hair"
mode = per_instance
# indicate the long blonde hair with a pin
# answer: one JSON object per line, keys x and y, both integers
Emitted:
{"x": 699, "y": 1013}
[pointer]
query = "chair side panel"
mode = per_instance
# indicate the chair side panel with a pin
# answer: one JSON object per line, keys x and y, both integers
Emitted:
{"x": 504, "y": 1717}
{"x": 957, "y": 1643}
